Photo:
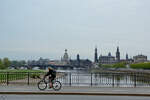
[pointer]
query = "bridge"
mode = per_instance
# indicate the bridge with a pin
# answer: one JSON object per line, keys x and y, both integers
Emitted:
{"x": 69, "y": 67}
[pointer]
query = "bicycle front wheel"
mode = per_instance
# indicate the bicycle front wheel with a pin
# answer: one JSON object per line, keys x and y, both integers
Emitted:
{"x": 56, "y": 85}
{"x": 42, "y": 85}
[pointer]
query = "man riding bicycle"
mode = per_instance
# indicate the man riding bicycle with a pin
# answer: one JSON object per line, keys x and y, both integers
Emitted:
{"x": 54, "y": 84}
{"x": 52, "y": 75}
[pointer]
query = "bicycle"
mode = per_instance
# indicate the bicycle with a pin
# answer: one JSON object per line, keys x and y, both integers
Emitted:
{"x": 56, "y": 85}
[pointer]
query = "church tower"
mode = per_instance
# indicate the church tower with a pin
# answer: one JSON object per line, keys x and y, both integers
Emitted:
{"x": 127, "y": 58}
{"x": 78, "y": 57}
{"x": 96, "y": 56}
{"x": 118, "y": 55}
{"x": 78, "y": 60}
{"x": 65, "y": 58}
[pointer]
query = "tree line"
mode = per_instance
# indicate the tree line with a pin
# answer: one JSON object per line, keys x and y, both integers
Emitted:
{"x": 5, "y": 63}
{"x": 144, "y": 65}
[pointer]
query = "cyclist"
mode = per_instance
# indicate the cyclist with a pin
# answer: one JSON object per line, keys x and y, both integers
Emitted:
{"x": 52, "y": 75}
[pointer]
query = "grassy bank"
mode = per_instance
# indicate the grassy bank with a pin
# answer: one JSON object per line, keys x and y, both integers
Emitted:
{"x": 21, "y": 70}
{"x": 140, "y": 66}
{"x": 19, "y": 74}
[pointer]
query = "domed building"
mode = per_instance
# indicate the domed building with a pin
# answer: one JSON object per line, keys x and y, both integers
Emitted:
{"x": 65, "y": 59}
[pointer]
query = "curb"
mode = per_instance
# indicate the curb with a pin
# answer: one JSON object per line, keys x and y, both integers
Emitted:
{"x": 73, "y": 93}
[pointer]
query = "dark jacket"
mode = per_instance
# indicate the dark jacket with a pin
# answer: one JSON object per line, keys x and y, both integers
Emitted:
{"x": 51, "y": 72}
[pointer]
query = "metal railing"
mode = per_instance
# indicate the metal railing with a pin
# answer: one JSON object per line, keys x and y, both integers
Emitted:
{"x": 103, "y": 79}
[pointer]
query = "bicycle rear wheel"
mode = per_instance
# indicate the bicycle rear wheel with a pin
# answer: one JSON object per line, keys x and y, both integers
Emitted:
{"x": 56, "y": 85}
{"x": 42, "y": 85}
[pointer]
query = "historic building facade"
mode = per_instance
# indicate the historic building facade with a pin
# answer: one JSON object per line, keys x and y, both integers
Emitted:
{"x": 140, "y": 58}
{"x": 81, "y": 63}
{"x": 65, "y": 59}
{"x": 107, "y": 59}
{"x": 76, "y": 63}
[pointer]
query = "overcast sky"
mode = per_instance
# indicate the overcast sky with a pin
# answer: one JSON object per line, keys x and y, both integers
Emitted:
{"x": 30, "y": 29}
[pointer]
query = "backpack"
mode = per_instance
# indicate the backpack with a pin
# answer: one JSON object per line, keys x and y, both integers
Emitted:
{"x": 53, "y": 72}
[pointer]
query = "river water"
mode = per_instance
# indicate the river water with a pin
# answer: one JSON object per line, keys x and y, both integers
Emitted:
{"x": 83, "y": 78}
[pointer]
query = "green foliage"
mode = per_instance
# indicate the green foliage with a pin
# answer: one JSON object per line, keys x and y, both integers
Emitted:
{"x": 20, "y": 74}
{"x": 5, "y": 63}
{"x": 35, "y": 75}
{"x": 117, "y": 65}
{"x": 21, "y": 70}
{"x": 140, "y": 66}
{"x": 14, "y": 63}
{"x": 1, "y": 64}
{"x": 107, "y": 66}
{"x": 18, "y": 64}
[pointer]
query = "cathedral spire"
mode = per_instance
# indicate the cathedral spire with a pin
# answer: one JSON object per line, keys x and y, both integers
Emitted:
{"x": 96, "y": 56}
{"x": 78, "y": 57}
{"x": 127, "y": 57}
{"x": 78, "y": 60}
{"x": 118, "y": 54}
{"x": 65, "y": 50}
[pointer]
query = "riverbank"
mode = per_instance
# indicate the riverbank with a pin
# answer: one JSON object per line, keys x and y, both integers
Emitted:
{"x": 114, "y": 70}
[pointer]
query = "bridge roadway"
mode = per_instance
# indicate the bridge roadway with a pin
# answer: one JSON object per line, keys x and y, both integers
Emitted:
{"x": 69, "y": 97}
{"x": 54, "y": 66}
{"x": 66, "y": 90}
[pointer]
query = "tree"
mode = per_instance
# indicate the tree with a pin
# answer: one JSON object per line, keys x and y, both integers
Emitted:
{"x": 18, "y": 64}
{"x": 140, "y": 66}
{"x": 119, "y": 65}
{"x": 14, "y": 64}
{"x": 1, "y": 64}
{"x": 22, "y": 63}
{"x": 6, "y": 63}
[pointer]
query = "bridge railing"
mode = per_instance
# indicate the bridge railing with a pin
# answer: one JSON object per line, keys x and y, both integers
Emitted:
{"x": 103, "y": 79}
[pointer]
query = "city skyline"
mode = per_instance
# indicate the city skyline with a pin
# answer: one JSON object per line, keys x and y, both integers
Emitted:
{"x": 31, "y": 29}
{"x": 75, "y": 55}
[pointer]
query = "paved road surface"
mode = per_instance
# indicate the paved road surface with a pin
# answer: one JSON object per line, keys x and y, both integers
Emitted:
{"x": 68, "y": 97}
{"x": 76, "y": 89}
